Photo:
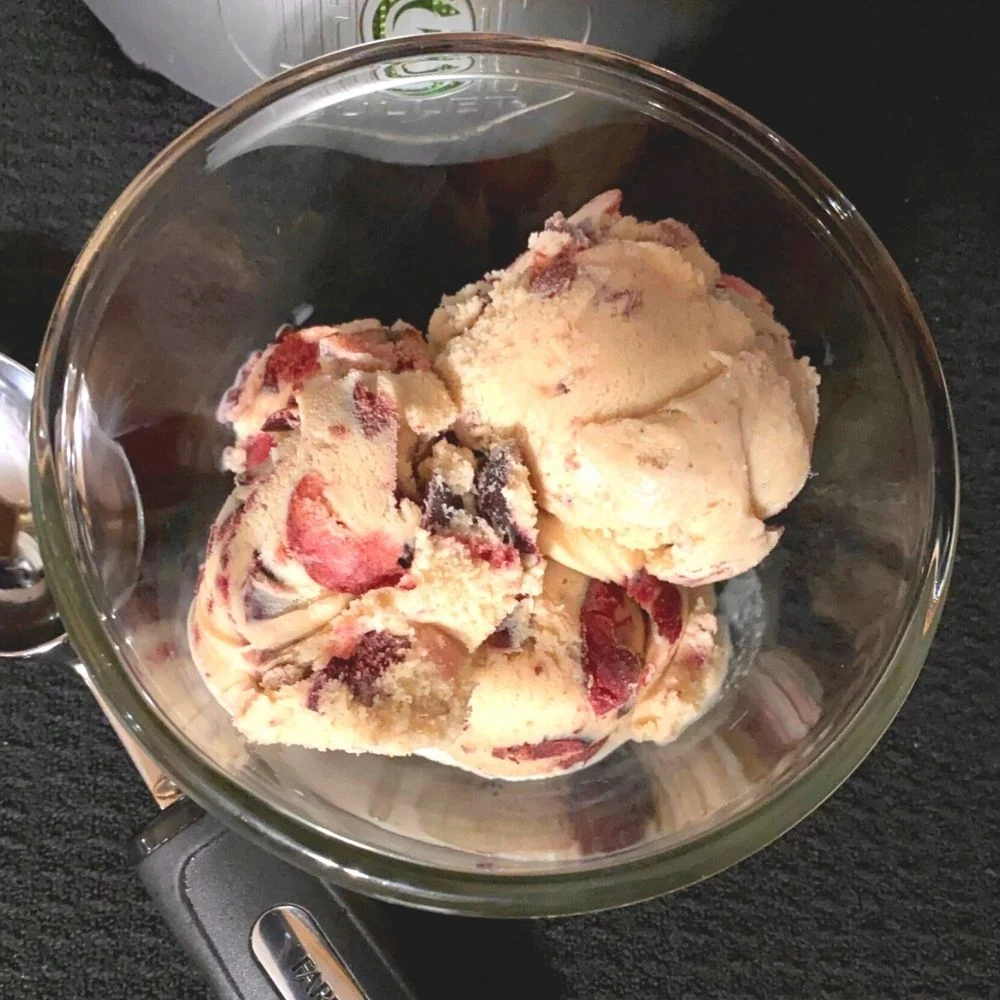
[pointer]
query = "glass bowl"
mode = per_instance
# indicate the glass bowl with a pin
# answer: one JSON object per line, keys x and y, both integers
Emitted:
{"x": 367, "y": 183}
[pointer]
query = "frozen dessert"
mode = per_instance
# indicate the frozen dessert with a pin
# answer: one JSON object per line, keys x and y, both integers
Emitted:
{"x": 358, "y": 561}
{"x": 657, "y": 402}
{"x": 591, "y": 665}
{"x": 493, "y": 547}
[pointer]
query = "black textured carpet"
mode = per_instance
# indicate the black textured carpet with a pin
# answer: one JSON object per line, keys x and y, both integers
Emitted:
{"x": 893, "y": 888}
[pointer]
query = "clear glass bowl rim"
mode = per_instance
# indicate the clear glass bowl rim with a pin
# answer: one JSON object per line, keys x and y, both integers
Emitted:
{"x": 391, "y": 878}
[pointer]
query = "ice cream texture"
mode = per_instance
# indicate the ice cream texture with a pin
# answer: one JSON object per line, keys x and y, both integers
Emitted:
{"x": 422, "y": 554}
{"x": 658, "y": 403}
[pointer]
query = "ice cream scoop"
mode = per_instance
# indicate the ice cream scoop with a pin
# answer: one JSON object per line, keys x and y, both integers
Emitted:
{"x": 590, "y": 666}
{"x": 658, "y": 403}
{"x": 361, "y": 558}
{"x": 493, "y": 548}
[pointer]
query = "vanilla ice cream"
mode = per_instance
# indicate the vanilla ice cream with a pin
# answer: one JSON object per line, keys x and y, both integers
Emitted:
{"x": 494, "y": 547}
{"x": 658, "y": 403}
{"x": 359, "y": 562}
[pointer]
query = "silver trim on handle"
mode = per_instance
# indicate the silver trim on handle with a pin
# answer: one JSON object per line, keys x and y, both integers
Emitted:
{"x": 299, "y": 959}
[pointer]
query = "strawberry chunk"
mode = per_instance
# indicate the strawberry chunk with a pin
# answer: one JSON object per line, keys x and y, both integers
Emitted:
{"x": 661, "y": 601}
{"x": 258, "y": 448}
{"x": 331, "y": 554}
{"x": 291, "y": 360}
{"x": 570, "y": 751}
{"x": 498, "y": 556}
{"x": 612, "y": 668}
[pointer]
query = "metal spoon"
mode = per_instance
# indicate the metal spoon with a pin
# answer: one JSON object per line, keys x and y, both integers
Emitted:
{"x": 30, "y": 628}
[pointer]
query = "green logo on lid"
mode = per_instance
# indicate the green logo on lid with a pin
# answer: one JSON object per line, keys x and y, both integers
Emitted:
{"x": 395, "y": 18}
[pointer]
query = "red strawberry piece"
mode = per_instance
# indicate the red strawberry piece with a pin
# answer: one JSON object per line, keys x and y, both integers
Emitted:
{"x": 612, "y": 668}
{"x": 282, "y": 420}
{"x": 498, "y": 556}
{"x": 359, "y": 671}
{"x": 291, "y": 360}
{"x": 374, "y": 412}
{"x": 331, "y": 554}
{"x": 258, "y": 448}
{"x": 570, "y": 751}
{"x": 661, "y": 601}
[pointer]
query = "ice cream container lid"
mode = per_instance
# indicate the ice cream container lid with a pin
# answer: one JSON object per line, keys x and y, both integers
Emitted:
{"x": 217, "y": 50}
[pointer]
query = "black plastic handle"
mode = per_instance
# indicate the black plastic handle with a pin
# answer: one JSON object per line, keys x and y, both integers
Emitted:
{"x": 259, "y": 928}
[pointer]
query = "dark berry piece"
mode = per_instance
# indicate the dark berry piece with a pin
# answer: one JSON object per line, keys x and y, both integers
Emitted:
{"x": 441, "y": 504}
{"x": 612, "y": 669}
{"x": 508, "y": 634}
{"x": 282, "y": 420}
{"x": 661, "y": 601}
{"x": 492, "y": 477}
{"x": 374, "y": 654}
